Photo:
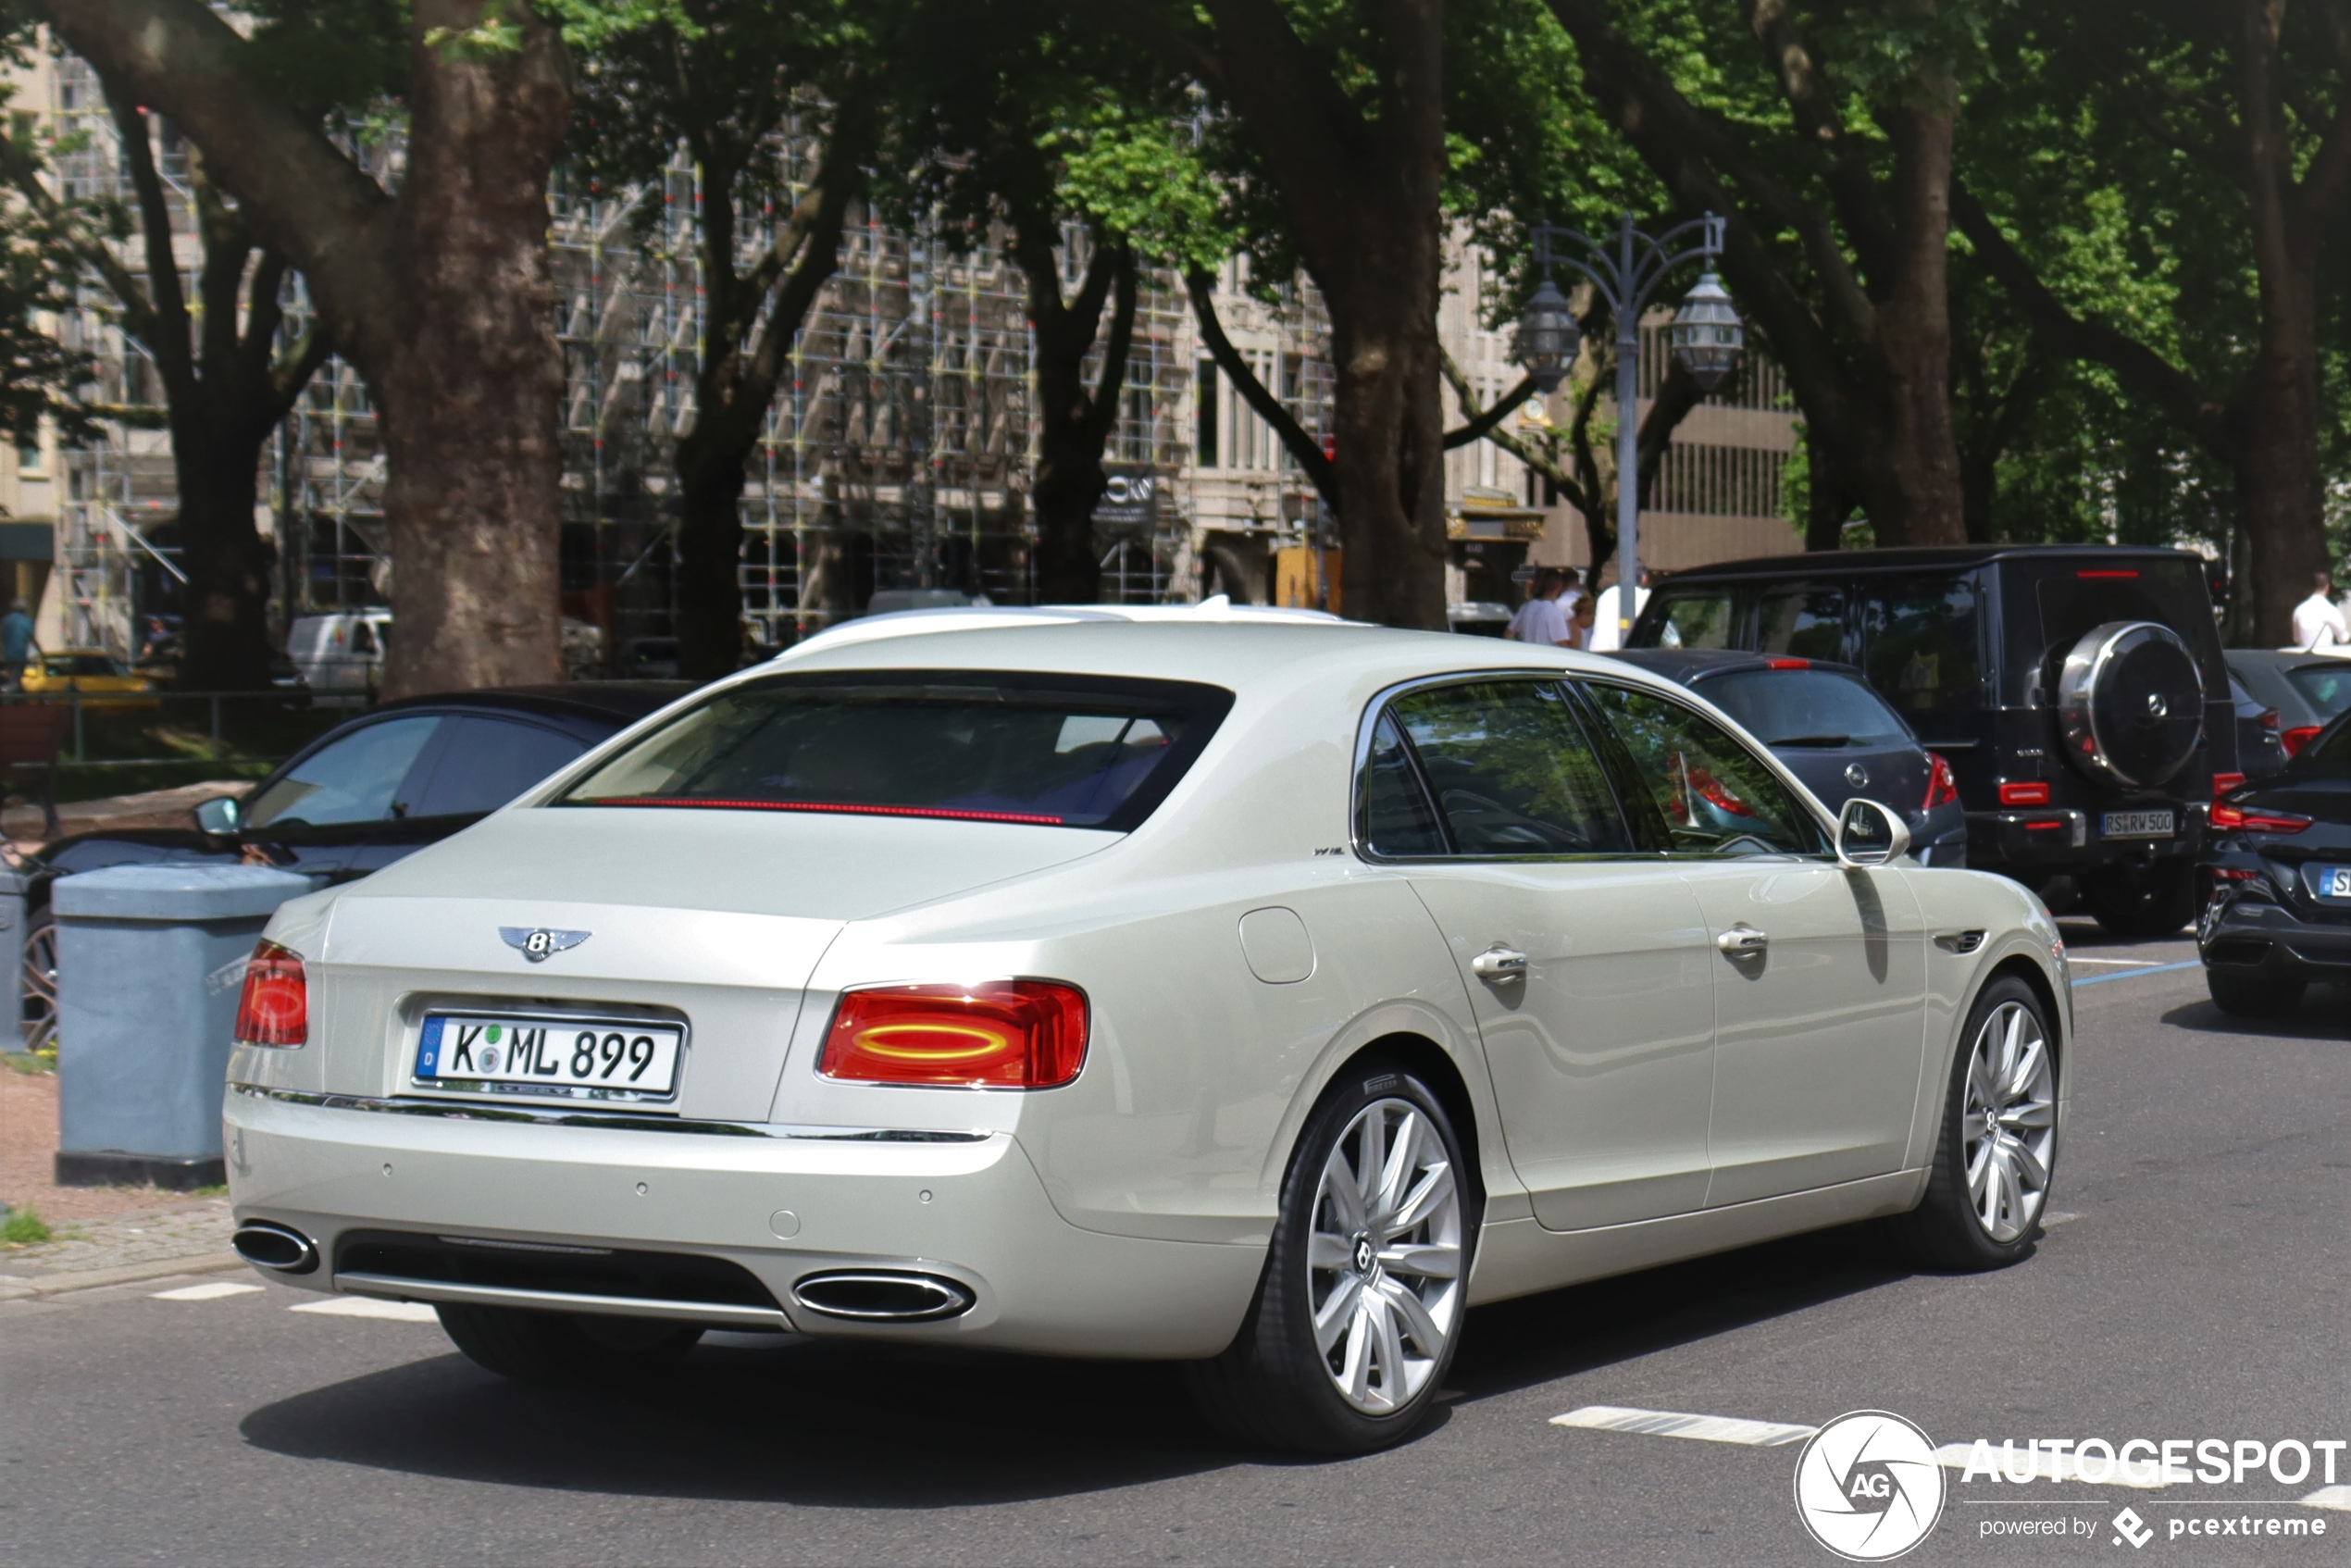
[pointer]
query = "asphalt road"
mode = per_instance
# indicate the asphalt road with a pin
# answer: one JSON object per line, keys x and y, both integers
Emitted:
{"x": 2192, "y": 1287}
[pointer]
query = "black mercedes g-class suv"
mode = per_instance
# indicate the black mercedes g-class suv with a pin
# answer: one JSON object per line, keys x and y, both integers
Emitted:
{"x": 2077, "y": 692}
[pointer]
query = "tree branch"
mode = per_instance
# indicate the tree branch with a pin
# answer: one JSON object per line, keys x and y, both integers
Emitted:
{"x": 1791, "y": 61}
{"x": 1480, "y": 424}
{"x": 1544, "y": 463}
{"x": 1101, "y": 411}
{"x": 168, "y": 346}
{"x": 1302, "y": 446}
{"x": 2170, "y": 388}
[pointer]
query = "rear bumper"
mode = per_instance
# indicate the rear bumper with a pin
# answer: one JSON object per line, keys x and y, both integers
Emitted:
{"x": 2254, "y": 937}
{"x": 2066, "y": 838}
{"x": 782, "y": 1204}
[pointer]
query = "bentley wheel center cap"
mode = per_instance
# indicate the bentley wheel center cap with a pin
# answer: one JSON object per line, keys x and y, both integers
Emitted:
{"x": 1363, "y": 1254}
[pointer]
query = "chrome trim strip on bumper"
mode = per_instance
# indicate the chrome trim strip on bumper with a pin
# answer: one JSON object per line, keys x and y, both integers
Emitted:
{"x": 464, "y": 1111}
{"x": 393, "y": 1287}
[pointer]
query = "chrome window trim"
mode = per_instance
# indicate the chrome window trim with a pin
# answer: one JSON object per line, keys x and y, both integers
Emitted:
{"x": 475, "y": 1111}
{"x": 1369, "y": 722}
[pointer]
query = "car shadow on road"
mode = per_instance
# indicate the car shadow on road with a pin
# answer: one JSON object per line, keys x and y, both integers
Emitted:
{"x": 846, "y": 1425}
{"x": 2325, "y": 1015}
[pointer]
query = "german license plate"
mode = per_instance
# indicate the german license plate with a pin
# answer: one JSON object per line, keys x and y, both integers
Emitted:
{"x": 574, "y": 1059}
{"x": 2329, "y": 884}
{"x": 2138, "y": 825}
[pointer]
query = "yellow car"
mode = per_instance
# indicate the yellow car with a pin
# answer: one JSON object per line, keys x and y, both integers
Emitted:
{"x": 104, "y": 680}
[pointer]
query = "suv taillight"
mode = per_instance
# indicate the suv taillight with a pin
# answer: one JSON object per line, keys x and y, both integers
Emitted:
{"x": 2298, "y": 737}
{"x": 997, "y": 1034}
{"x": 274, "y": 1007}
{"x": 2224, "y": 782}
{"x": 1941, "y": 786}
{"x": 2025, "y": 794}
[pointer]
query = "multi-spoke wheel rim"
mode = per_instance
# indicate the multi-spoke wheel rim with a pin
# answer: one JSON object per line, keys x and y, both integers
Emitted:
{"x": 2010, "y": 1122}
{"x": 38, "y": 1010}
{"x": 1384, "y": 1257}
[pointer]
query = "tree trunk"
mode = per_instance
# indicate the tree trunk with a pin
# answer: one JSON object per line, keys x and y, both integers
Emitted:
{"x": 711, "y": 459}
{"x": 1826, "y": 507}
{"x": 470, "y": 395}
{"x": 1074, "y": 423}
{"x": 2279, "y": 487}
{"x": 1389, "y": 420}
{"x": 224, "y": 628}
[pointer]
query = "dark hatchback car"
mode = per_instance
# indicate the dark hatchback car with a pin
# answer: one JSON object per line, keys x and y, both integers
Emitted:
{"x": 2077, "y": 689}
{"x": 384, "y": 784}
{"x": 2305, "y": 690}
{"x": 1834, "y": 733}
{"x": 2279, "y": 866}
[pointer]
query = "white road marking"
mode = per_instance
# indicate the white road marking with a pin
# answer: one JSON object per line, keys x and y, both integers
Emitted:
{"x": 212, "y": 1292}
{"x": 2058, "y": 1216}
{"x": 1675, "y": 1423}
{"x": 367, "y": 1306}
{"x": 2329, "y": 1497}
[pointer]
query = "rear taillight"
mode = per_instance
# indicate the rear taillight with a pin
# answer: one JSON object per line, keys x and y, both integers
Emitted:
{"x": 2224, "y": 782}
{"x": 997, "y": 1034}
{"x": 2270, "y": 718}
{"x": 2255, "y": 820}
{"x": 2298, "y": 737}
{"x": 274, "y": 1008}
{"x": 1942, "y": 787}
{"x": 2035, "y": 794}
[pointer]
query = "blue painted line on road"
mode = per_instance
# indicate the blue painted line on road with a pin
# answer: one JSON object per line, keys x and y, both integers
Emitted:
{"x": 2135, "y": 974}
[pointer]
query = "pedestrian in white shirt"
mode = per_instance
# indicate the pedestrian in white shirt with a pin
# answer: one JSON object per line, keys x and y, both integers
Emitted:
{"x": 2318, "y": 626}
{"x": 1605, "y": 635}
{"x": 1541, "y": 619}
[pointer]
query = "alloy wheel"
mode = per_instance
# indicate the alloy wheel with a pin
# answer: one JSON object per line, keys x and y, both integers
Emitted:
{"x": 2009, "y": 1123}
{"x": 1383, "y": 1258}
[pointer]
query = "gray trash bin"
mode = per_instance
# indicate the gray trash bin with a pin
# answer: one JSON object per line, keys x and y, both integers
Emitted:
{"x": 12, "y": 954}
{"x": 150, "y": 963}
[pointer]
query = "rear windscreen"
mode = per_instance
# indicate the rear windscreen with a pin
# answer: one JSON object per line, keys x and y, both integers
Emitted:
{"x": 2325, "y": 687}
{"x": 1806, "y": 709}
{"x": 2170, "y": 593}
{"x": 1051, "y": 751}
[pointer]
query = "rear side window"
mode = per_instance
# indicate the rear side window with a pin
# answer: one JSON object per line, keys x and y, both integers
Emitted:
{"x": 1805, "y": 707}
{"x": 1922, "y": 644}
{"x": 1804, "y": 619}
{"x": 1507, "y": 767}
{"x": 1696, "y": 617}
{"x": 1045, "y": 750}
{"x": 1716, "y": 797}
{"x": 487, "y": 762}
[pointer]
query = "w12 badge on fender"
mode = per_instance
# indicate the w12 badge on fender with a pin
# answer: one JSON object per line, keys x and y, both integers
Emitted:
{"x": 1868, "y": 1486}
{"x": 565, "y": 1059}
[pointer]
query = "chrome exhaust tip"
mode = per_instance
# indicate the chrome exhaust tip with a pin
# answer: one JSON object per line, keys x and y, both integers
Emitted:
{"x": 883, "y": 1296}
{"x": 279, "y": 1249}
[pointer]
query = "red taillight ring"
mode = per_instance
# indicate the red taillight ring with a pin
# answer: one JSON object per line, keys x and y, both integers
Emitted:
{"x": 273, "y": 1009}
{"x": 991, "y": 1034}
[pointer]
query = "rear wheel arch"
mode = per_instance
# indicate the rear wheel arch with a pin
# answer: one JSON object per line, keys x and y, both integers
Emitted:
{"x": 1434, "y": 1065}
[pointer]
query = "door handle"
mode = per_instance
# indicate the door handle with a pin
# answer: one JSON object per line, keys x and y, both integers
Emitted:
{"x": 1500, "y": 964}
{"x": 1743, "y": 941}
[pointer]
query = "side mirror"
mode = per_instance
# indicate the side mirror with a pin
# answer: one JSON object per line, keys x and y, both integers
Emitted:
{"x": 221, "y": 815}
{"x": 1868, "y": 834}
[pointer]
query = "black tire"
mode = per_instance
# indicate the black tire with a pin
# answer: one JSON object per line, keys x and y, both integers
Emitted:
{"x": 1944, "y": 1231}
{"x": 37, "y": 1007}
{"x": 556, "y": 1348}
{"x": 2142, "y": 903}
{"x": 1272, "y": 1388}
{"x": 2253, "y": 996}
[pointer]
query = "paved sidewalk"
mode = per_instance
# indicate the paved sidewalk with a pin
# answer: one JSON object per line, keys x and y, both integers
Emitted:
{"x": 27, "y": 1152}
{"x": 108, "y": 1251}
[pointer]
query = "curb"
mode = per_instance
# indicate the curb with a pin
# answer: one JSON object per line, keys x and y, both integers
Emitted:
{"x": 128, "y": 1273}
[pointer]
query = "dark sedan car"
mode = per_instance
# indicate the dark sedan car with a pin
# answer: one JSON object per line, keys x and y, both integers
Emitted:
{"x": 2307, "y": 690}
{"x": 361, "y": 796}
{"x": 2278, "y": 914}
{"x": 1833, "y": 730}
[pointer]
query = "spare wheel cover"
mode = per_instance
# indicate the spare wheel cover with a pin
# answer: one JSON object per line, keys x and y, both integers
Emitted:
{"x": 2131, "y": 704}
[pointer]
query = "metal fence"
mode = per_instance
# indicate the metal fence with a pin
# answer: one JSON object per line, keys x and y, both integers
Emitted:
{"x": 150, "y": 729}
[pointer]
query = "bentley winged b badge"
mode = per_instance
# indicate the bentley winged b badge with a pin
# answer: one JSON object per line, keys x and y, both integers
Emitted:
{"x": 538, "y": 944}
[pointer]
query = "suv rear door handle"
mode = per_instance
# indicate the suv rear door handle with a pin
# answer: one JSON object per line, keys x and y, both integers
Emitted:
{"x": 1500, "y": 964}
{"x": 1743, "y": 940}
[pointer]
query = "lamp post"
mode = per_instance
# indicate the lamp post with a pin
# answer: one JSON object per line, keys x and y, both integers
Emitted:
{"x": 1707, "y": 336}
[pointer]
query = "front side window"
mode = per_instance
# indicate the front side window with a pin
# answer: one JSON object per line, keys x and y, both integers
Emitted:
{"x": 348, "y": 781}
{"x": 1923, "y": 650}
{"x": 487, "y": 762}
{"x": 1043, "y": 750}
{"x": 1804, "y": 620}
{"x": 1716, "y": 797}
{"x": 1508, "y": 768}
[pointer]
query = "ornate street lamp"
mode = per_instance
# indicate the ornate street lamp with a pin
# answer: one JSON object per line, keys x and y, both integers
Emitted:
{"x": 1707, "y": 337}
{"x": 1707, "y": 333}
{"x": 1547, "y": 336}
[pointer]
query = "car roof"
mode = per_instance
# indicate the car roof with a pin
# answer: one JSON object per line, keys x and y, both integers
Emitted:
{"x": 1688, "y": 664}
{"x": 2284, "y": 658}
{"x": 1914, "y": 559}
{"x": 617, "y": 702}
{"x": 1217, "y": 610}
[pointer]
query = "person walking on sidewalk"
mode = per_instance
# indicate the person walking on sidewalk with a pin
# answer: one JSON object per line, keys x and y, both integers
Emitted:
{"x": 2317, "y": 626}
{"x": 1542, "y": 620}
{"x": 15, "y": 643}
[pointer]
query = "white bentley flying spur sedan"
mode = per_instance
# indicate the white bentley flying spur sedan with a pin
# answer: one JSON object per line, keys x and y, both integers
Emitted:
{"x": 1253, "y": 993}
